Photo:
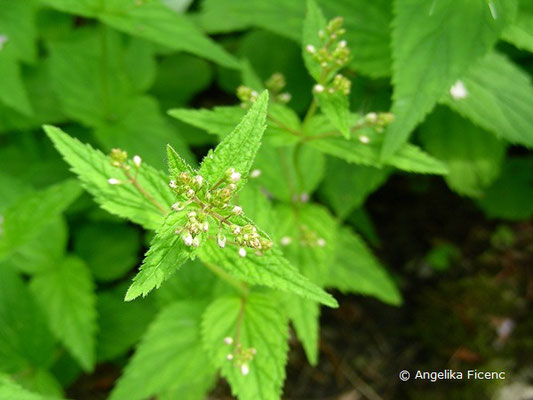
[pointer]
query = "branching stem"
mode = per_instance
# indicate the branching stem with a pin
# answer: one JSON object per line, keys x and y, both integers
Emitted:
{"x": 141, "y": 190}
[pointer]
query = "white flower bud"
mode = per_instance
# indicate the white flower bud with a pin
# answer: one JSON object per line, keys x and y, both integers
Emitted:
{"x": 285, "y": 240}
{"x": 236, "y": 210}
{"x": 236, "y": 229}
{"x": 205, "y": 226}
{"x": 235, "y": 176}
{"x": 190, "y": 193}
{"x": 199, "y": 179}
{"x": 196, "y": 242}
{"x": 255, "y": 173}
{"x": 371, "y": 117}
{"x": 321, "y": 242}
{"x": 318, "y": 88}
{"x": 310, "y": 49}
{"x": 228, "y": 340}
{"x": 242, "y": 252}
{"x": 177, "y": 206}
{"x": 229, "y": 357}
{"x": 187, "y": 239}
{"x": 221, "y": 241}
{"x": 173, "y": 184}
{"x": 364, "y": 139}
{"x": 245, "y": 370}
{"x": 137, "y": 161}
{"x": 113, "y": 181}
{"x": 342, "y": 43}
{"x": 191, "y": 214}
{"x": 304, "y": 197}
{"x": 458, "y": 91}
{"x": 285, "y": 97}
{"x": 253, "y": 351}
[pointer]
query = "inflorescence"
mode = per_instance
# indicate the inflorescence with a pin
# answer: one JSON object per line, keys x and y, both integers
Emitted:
{"x": 240, "y": 356}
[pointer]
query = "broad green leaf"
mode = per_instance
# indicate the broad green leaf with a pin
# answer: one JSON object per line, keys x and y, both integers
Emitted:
{"x": 433, "y": 44}
{"x": 356, "y": 270}
{"x": 238, "y": 149}
{"x": 24, "y": 336}
{"x": 366, "y": 24}
{"x": 120, "y": 324}
{"x": 12, "y": 391}
{"x": 313, "y": 23}
{"x": 166, "y": 255}
{"x": 261, "y": 326}
{"x": 218, "y": 121}
{"x": 24, "y": 219}
{"x": 499, "y": 98}
{"x": 509, "y": 197}
{"x": 151, "y": 20}
{"x": 348, "y": 185}
{"x": 170, "y": 356}
{"x": 271, "y": 269}
{"x": 473, "y": 156}
{"x": 304, "y": 315}
{"x": 336, "y": 107}
{"x": 520, "y": 32}
{"x": 94, "y": 169}
{"x": 12, "y": 90}
{"x": 41, "y": 381}
{"x": 110, "y": 250}
{"x": 66, "y": 294}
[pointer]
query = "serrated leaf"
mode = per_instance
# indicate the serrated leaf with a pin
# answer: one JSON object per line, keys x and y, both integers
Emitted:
{"x": 218, "y": 121}
{"x": 433, "y": 45}
{"x": 237, "y": 150}
{"x": 176, "y": 163}
{"x": 170, "y": 356}
{"x": 520, "y": 32}
{"x": 337, "y": 108}
{"x": 166, "y": 255}
{"x": 12, "y": 391}
{"x": 24, "y": 336}
{"x": 94, "y": 169}
{"x": 262, "y": 327}
{"x": 473, "y": 156}
{"x": 271, "y": 269}
{"x": 348, "y": 185}
{"x": 356, "y": 270}
{"x": 121, "y": 324}
{"x": 499, "y": 98}
{"x": 304, "y": 315}
{"x": 150, "y": 20}
{"x": 509, "y": 197}
{"x": 24, "y": 219}
{"x": 66, "y": 294}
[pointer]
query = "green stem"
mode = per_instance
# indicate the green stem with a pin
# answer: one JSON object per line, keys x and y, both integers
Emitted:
{"x": 310, "y": 111}
{"x": 141, "y": 190}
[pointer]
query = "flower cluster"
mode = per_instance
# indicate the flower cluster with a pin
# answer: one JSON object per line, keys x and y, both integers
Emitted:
{"x": 333, "y": 55}
{"x": 275, "y": 84}
{"x": 118, "y": 158}
{"x": 240, "y": 356}
{"x": 379, "y": 121}
{"x": 308, "y": 238}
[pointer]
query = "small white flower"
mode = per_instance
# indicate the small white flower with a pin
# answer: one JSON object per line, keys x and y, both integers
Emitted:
{"x": 242, "y": 252}
{"x": 177, "y": 206}
{"x": 324, "y": 64}
{"x": 285, "y": 97}
{"x": 245, "y": 370}
{"x": 310, "y": 49}
{"x": 137, "y": 161}
{"x": 229, "y": 357}
{"x": 221, "y": 241}
{"x": 304, "y": 197}
{"x": 3, "y": 40}
{"x": 173, "y": 184}
{"x": 190, "y": 192}
{"x": 342, "y": 43}
{"x": 458, "y": 91}
{"x": 191, "y": 214}
{"x": 228, "y": 340}
{"x": 199, "y": 179}
{"x": 196, "y": 241}
{"x": 113, "y": 181}
{"x": 253, "y": 351}
{"x": 364, "y": 139}
{"x": 235, "y": 176}
{"x": 187, "y": 239}
{"x": 236, "y": 229}
{"x": 321, "y": 242}
{"x": 285, "y": 240}
{"x": 255, "y": 173}
{"x": 236, "y": 210}
{"x": 318, "y": 88}
{"x": 205, "y": 226}
{"x": 321, "y": 34}
{"x": 371, "y": 117}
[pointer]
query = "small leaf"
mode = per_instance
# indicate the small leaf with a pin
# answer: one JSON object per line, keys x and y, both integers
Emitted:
{"x": 218, "y": 121}
{"x": 66, "y": 294}
{"x": 170, "y": 356}
{"x": 337, "y": 108}
{"x": 261, "y": 326}
{"x": 520, "y": 32}
{"x": 176, "y": 164}
{"x": 313, "y": 23}
{"x": 12, "y": 391}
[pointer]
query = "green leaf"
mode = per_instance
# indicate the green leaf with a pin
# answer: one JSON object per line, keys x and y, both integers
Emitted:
{"x": 17, "y": 19}
{"x": 304, "y": 315}
{"x": 520, "y": 32}
{"x": 313, "y": 23}
{"x": 23, "y": 220}
{"x": 509, "y": 197}
{"x": 337, "y": 108}
{"x": 94, "y": 169}
{"x": 166, "y": 255}
{"x": 66, "y": 294}
{"x": 473, "y": 156}
{"x": 261, "y": 326}
{"x": 176, "y": 163}
{"x": 12, "y": 391}
{"x": 150, "y": 20}
{"x": 218, "y": 121}
{"x": 433, "y": 45}
{"x": 238, "y": 149}
{"x": 271, "y": 269}
{"x": 121, "y": 324}
{"x": 499, "y": 99}
{"x": 12, "y": 90}
{"x": 109, "y": 249}
{"x": 347, "y": 185}
{"x": 356, "y": 270}
{"x": 24, "y": 336}
{"x": 170, "y": 356}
